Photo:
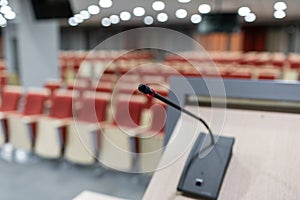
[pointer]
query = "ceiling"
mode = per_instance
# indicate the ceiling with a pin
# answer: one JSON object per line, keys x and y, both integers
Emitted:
{"x": 263, "y": 9}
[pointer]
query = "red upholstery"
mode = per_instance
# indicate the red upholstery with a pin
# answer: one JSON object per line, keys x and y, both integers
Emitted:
{"x": 267, "y": 76}
{"x": 158, "y": 118}
{"x": 52, "y": 87}
{"x": 104, "y": 87}
{"x": 128, "y": 112}
{"x": 62, "y": 107}
{"x": 240, "y": 75}
{"x": 34, "y": 104}
{"x": 10, "y": 101}
{"x": 93, "y": 110}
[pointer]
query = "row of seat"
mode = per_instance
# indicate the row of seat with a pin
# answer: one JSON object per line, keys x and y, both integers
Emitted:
{"x": 105, "y": 127}
{"x": 250, "y": 65}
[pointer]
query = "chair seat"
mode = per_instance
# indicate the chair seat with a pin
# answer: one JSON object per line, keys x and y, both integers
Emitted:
{"x": 82, "y": 144}
{"x": 49, "y": 138}
{"x": 115, "y": 149}
{"x": 20, "y": 132}
{"x": 150, "y": 151}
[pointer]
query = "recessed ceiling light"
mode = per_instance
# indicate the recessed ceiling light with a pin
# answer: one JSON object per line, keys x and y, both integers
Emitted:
{"x": 184, "y": 1}
{"x": 78, "y": 18}
{"x": 181, "y": 13}
{"x": 162, "y": 17}
{"x": 105, "y": 3}
{"x": 204, "y": 8}
{"x": 251, "y": 17}
{"x": 196, "y": 18}
{"x": 105, "y": 22}
{"x": 5, "y": 9}
{"x": 279, "y": 14}
{"x": 85, "y": 14}
{"x": 125, "y": 16}
{"x": 10, "y": 15}
{"x": 243, "y": 11}
{"x": 72, "y": 22}
{"x": 3, "y": 3}
{"x": 158, "y": 5}
{"x": 280, "y": 5}
{"x": 93, "y": 9}
{"x": 139, "y": 11}
{"x": 114, "y": 19}
{"x": 148, "y": 20}
{"x": 2, "y": 20}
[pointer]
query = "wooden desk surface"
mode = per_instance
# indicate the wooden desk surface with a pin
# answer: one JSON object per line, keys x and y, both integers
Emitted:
{"x": 265, "y": 162}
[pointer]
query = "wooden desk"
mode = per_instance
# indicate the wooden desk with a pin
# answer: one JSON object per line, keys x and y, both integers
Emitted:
{"x": 265, "y": 162}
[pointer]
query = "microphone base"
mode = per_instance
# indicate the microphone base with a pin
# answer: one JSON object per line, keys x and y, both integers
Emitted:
{"x": 203, "y": 176}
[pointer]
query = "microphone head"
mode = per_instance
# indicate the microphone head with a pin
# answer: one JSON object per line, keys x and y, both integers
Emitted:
{"x": 145, "y": 89}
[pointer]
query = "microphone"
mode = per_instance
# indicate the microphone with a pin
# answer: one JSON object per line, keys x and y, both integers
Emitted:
{"x": 151, "y": 93}
{"x": 201, "y": 177}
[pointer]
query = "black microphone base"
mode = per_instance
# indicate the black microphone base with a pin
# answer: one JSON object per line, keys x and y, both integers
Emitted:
{"x": 203, "y": 177}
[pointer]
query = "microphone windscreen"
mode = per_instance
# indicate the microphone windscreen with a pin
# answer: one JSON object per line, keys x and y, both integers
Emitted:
{"x": 145, "y": 89}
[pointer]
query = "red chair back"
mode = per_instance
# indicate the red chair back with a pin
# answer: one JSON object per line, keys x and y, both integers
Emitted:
{"x": 10, "y": 100}
{"x": 128, "y": 111}
{"x": 62, "y": 106}
{"x": 34, "y": 104}
{"x": 158, "y": 120}
{"x": 93, "y": 110}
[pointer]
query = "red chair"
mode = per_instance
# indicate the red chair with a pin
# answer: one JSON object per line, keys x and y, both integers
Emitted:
{"x": 267, "y": 76}
{"x": 116, "y": 142}
{"x": 83, "y": 136}
{"x": 240, "y": 75}
{"x": 52, "y": 86}
{"x": 22, "y": 125}
{"x": 9, "y": 102}
{"x": 104, "y": 87}
{"x": 51, "y": 129}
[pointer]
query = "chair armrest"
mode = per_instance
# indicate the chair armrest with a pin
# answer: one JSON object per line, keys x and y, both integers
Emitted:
{"x": 132, "y": 132}
{"x": 30, "y": 119}
{"x": 58, "y": 123}
{"x": 7, "y": 113}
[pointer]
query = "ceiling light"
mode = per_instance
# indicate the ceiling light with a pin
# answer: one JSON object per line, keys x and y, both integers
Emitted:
{"x": 184, "y": 1}
{"x": 139, "y": 11}
{"x": 5, "y": 9}
{"x": 85, "y": 14}
{"x": 158, "y": 5}
{"x": 2, "y": 20}
{"x": 204, "y": 8}
{"x": 181, "y": 13}
{"x": 196, "y": 18}
{"x": 148, "y": 20}
{"x": 125, "y": 16}
{"x": 72, "y": 22}
{"x": 106, "y": 22}
{"x": 279, "y": 14}
{"x": 280, "y": 5}
{"x": 3, "y": 3}
{"x": 78, "y": 18}
{"x": 243, "y": 11}
{"x": 10, "y": 15}
{"x": 105, "y": 3}
{"x": 162, "y": 17}
{"x": 251, "y": 17}
{"x": 114, "y": 19}
{"x": 93, "y": 10}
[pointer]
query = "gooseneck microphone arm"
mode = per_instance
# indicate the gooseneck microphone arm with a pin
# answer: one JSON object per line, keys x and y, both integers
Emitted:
{"x": 150, "y": 92}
